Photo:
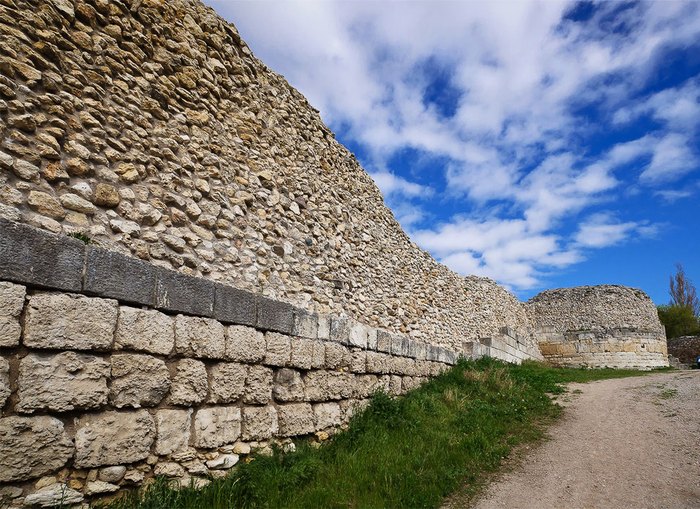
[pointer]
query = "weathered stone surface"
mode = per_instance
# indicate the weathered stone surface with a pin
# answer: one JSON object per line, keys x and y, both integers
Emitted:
{"x": 169, "y": 469}
{"x": 278, "y": 349}
{"x": 106, "y": 195}
{"x": 173, "y": 430}
{"x": 32, "y": 256}
{"x": 358, "y": 334}
{"x": 244, "y": 344}
{"x": 67, "y": 321}
{"x": 259, "y": 423}
{"x": 295, "y": 419}
{"x": 305, "y": 325}
{"x": 189, "y": 385}
{"x": 45, "y": 204}
{"x": 227, "y": 382}
{"x": 358, "y": 361}
{"x": 274, "y": 315}
{"x": 326, "y": 415}
{"x": 340, "y": 330}
{"x": 327, "y": 385}
{"x": 113, "y": 438}
{"x": 11, "y": 304}
{"x": 235, "y": 306}
{"x": 223, "y": 462}
{"x": 302, "y": 353}
{"x": 54, "y": 496}
{"x": 138, "y": 380}
{"x": 184, "y": 294}
{"x": 4, "y": 382}
{"x": 61, "y": 382}
{"x": 288, "y": 385}
{"x": 100, "y": 487}
{"x": 216, "y": 426}
{"x": 258, "y": 385}
{"x": 113, "y": 275}
{"x": 112, "y": 474}
{"x": 144, "y": 330}
{"x": 318, "y": 355}
{"x": 335, "y": 355}
{"x": 31, "y": 447}
{"x": 199, "y": 337}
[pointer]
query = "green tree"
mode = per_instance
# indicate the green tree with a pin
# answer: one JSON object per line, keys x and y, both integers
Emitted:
{"x": 679, "y": 321}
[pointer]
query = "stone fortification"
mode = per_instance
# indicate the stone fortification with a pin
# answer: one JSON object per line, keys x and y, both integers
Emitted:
{"x": 685, "y": 348}
{"x": 113, "y": 370}
{"x": 598, "y": 326}
{"x": 150, "y": 127}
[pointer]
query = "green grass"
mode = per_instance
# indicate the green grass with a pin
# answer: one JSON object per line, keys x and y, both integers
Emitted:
{"x": 407, "y": 452}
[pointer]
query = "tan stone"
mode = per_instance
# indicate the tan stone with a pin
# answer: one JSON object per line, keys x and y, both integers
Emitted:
{"x": 45, "y": 204}
{"x": 67, "y": 321}
{"x": 295, "y": 419}
{"x": 199, "y": 337}
{"x": 11, "y": 304}
{"x": 326, "y": 415}
{"x": 288, "y": 385}
{"x": 258, "y": 389}
{"x": 227, "y": 382}
{"x": 4, "y": 382}
{"x": 144, "y": 330}
{"x": 61, "y": 382}
{"x": 138, "y": 380}
{"x": 302, "y": 353}
{"x": 216, "y": 426}
{"x": 259, "y": 423}
{"x": 106, "y": 195}
{"x": 278, "y": 349}
{"x": 31, "y": 447}
{"x": 113, "y": 438}
{"x": 244, "y": 344}
{"x": 189, "y": 385}
{"x": 173, "y": 430}
{"x": 54, "y": 496}
{"x": 327, "y": 385}
{"x": 75, "y": 202}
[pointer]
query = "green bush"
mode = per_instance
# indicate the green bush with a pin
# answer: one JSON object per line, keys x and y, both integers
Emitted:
{"x": 679, "y": 321}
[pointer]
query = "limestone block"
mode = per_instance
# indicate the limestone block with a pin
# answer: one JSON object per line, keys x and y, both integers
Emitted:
{"x": 278, "y": 350}
{"x": 54, "y": 496}
{"x": 358, "y": 361}
{"x": 340, "y": 330}
{"x": 189, "y": 385}
{"x": 144, "y": 330}
{"x": 169, "y": 469}
{"x": 138, "y": 380}
{"x": 327, "y": 385}
{"x": 259, "y": 423}
{"x": 226, "y": 382}
{"x": 378, "y": 363}
{"x": 372, "y": 339}
{"x": 288, "y": 385}
{"x": 11, "y": 304}
{"x": 68, "y": 321}
{"x": 258, "y": 387}
{"x": 384, "y": 341}
{"x": 172, "y": 430}
{"x": 274, "y": 315}
{"x": 4, "y": 382}
{"x": 395, "y": 385}
{"x": 358, "y": 335}
{"x": 335, "y": 354}
{"x": 324, "y": 327}
{"x": 326, "y": 415}
{"x": 232, "y": 305}
{"x": 244, "y": 344}
{"x": 61, "y": 382}
{"x": 216, "y": 426}
{"x": 31, "y": 447}
{"x": 318, "y": 355}
{"x": 112, "y": 474}
{"x": 302, "y": 353}
{"x": 223, "y": 462}
{"x": 364, "y": 386}
{"x": 295, "y": 419}
{"x": 199, "y": 337}
{"x": 100, "y": 487}
{"x": 305, "y": 325}
{"x": 113, "y": 438}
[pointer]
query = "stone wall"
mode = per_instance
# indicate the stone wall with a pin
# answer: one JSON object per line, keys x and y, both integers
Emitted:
{"x": 150, "y": 127}
{"x": 685, "y": 348}
{"x": 113, "y": 371}
{"x": 598, "y": 326}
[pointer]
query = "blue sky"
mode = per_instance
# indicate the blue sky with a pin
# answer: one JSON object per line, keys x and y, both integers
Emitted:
{"x": 542, "y": 144}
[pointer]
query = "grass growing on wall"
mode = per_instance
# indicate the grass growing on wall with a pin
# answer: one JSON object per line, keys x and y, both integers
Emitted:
{"x": 407, "y": 452}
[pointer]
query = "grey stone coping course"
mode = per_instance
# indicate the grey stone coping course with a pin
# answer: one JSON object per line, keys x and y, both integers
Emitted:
{"x": 39, "y": 258}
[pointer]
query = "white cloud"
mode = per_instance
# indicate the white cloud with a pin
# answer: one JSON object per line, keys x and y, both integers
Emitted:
{"x": 391, "y": 184}
{"x": 603, "y": 230}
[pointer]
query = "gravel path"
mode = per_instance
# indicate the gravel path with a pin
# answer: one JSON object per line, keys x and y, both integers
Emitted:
{"x": 625, "y": 443}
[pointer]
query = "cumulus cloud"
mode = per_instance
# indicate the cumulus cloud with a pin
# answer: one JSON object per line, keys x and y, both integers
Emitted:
{"x": 504, "y": 94}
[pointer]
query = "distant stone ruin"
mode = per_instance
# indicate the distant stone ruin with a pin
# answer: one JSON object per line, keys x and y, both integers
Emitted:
{"x": 243, "y": 281}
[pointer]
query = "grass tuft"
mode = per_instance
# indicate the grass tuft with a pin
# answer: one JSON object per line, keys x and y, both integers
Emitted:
{"x": 404, "y": 452}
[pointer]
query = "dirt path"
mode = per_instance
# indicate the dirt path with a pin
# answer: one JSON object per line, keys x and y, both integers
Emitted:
{"x": 626, "y": 443}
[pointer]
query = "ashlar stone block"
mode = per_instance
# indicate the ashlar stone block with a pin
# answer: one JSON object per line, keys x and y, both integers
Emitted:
{"x": 4, "y": 382}
{"x": 288, "y": 385}
{"x": 326, "y": 415}
{"x": 11, "y": 304}
{"x": 278, "y": 349}
{"x": 199, "y": 337}
{"x": 113, "y": 438}
{"x": 62, "y": 382}
{"x": 172, "y": 430}
{"x": 295, "y": 419}
{"x": 189, "y": 385}
{"x": 327, "y": 385}
{"x": 335, "y": 355}
{"x": 144, "y": 330}
{"x": 217, "y": 426}
{"x": 71, "y": 322}
{"x": 302, "y": 353}
{"x": 259, "y": 423}
{"x": 227, "y": 382}
{"x": 138, "y": 381}
{"x": 244, "y": 344}
{"x": 258, "y": 387}
{"x": 31, "y": 447}
{"x": 318, "y": 355}
{"x": 55, "y": 495}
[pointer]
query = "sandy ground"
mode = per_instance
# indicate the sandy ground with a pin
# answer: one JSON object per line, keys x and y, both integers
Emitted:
{"x": 626, "y": 443}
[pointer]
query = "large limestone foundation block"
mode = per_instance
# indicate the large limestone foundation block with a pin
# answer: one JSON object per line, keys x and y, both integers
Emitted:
{"x": 55, "y": 495}
{"x": 4, "y": 382}
{"x": 173, "y": 430}
{"x": 258, "y": 386}
{"x": 326, "y": 415}
{"x": 328, "y": 385}
{"x": 68, "y": 321}
{"x": 216, "y": 426}
{"x": 138, "y": 381}
{"x": 113, "y": 438}
{"x": 31, "y": 447}
{"x": 227, "y": 382}
{"x": 302, "y": 353}
{"x": 62, "y": 382}
{"x": 144, "y": 330}
{"x": 189, "y": 385}
{"x": 11, "y": 304}
{"x": 288, "y": 385}
{"x": 278, "y": 349}
{"x": 244, "y": 344}
{"x": 295, "y": 419}
{"x": 259, "y": 423}
{"x": 199, "y": 337}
